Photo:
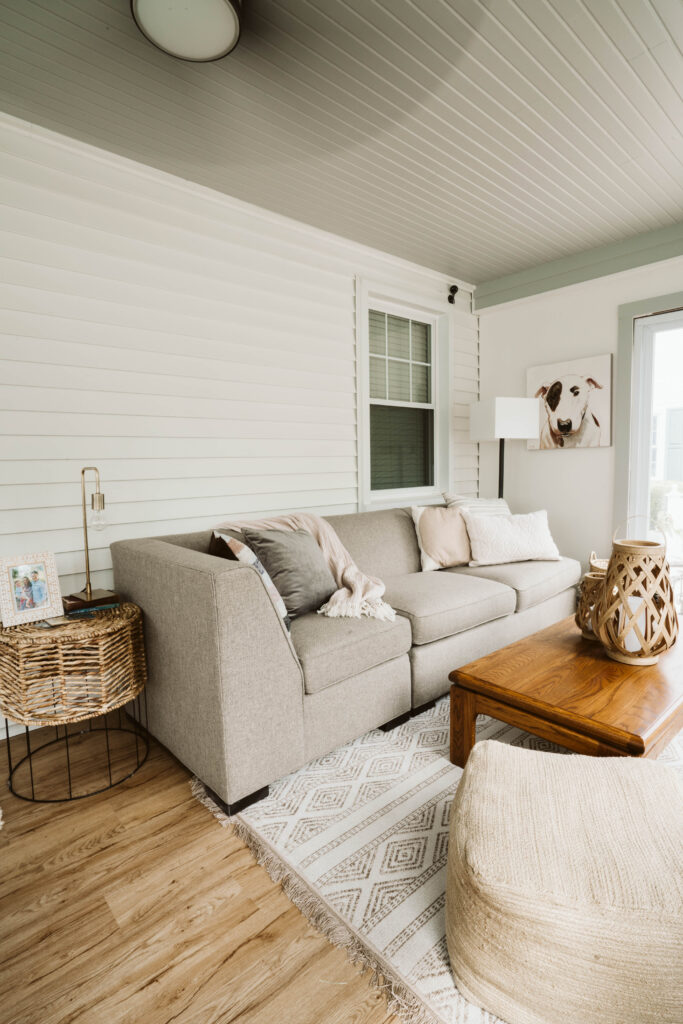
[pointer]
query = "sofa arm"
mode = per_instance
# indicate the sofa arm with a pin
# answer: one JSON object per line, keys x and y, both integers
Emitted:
{"x": 225, "y": 688}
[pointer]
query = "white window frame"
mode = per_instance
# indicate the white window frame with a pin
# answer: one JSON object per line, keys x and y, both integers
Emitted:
{"x": 412, "y": 307}
{"x": 642, "y": 367}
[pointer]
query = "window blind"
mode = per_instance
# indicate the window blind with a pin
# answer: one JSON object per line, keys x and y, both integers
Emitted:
{"x": 401, "y": 447}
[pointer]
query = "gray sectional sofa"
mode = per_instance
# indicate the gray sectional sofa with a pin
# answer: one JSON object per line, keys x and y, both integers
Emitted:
{"x": 241, "y": 703}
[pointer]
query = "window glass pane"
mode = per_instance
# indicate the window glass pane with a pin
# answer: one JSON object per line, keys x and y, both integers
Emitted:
{"x": 421, "y": 383}
{"x": 378, "y": 377}
{"x": 399, "y": 381}
{"x": 377, "y": 332}
{"x": 421, "y": 342}
{"x": 398, "y": 337}
{"x": 401, "y": 447}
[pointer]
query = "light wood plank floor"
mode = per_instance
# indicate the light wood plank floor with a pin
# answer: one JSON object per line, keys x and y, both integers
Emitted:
{"x": 136, "y": 907}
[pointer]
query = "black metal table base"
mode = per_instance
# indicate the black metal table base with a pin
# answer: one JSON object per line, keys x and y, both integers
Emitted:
{"x": 80, "y": 731}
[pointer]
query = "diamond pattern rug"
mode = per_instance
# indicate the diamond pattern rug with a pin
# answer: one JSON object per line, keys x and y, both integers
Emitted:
{"x": 359, "y": 840}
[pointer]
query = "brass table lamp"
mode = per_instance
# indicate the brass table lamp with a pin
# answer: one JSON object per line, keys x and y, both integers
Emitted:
{"x": 89, "y": 598}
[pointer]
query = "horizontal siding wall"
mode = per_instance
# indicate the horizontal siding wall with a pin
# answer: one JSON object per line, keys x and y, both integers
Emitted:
{"x": 464, "y": 391}
{"x": 198, "y": 350}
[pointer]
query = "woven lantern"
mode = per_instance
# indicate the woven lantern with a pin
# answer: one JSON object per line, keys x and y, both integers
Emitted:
{"x": 590, "y": 589}
{"x": 635, "y": 616}
{"x": 598, "y": 565}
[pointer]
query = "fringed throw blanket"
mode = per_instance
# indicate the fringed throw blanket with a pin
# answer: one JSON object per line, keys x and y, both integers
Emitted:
{"x": 358, "y": 594}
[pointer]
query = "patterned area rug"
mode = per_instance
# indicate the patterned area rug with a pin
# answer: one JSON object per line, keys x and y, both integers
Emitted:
{"x": 359, "y": 840}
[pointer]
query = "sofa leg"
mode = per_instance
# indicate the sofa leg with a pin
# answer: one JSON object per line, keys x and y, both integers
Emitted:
{"x": 388, "y": 726}
{"x": 423, "y": 707}
{"x": 238, "y": 805}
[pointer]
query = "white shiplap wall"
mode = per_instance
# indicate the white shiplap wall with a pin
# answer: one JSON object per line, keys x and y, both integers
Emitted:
{"x": 199, "y": 350}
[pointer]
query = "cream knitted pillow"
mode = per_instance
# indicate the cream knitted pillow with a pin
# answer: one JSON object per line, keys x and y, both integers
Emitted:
{"x": 497, "y": 539}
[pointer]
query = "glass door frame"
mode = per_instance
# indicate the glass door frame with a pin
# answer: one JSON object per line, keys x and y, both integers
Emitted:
{"x": 630, "y": 315}
{"x": 642, "y": 380}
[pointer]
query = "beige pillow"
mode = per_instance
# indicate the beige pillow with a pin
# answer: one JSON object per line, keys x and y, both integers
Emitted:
{"x": 442, "y": 537}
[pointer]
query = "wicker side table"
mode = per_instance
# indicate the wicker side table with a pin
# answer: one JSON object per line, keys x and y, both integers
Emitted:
{"x": 77, "y": 672}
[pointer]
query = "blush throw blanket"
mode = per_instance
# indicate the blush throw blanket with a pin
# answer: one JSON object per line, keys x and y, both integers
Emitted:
{"x": 358, "y": 594}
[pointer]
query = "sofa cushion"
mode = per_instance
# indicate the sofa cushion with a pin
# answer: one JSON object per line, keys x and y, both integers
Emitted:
{"x": 533, "y": 582}
{"x": 381, "y": 543}
{"x": 496, "y": 540}
{"x": 331, "y": 650}
{"x": 243, "y": 553}
{"x": 478, "y": 506}
{"x": 218, "y": 547}
{"x": 440, "y": 604}
{"x": 442, "y": 537}
{"x": 296, "y": 565}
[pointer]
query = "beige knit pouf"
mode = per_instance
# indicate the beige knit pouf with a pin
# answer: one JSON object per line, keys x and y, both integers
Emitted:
{"x": 564, "y": 897}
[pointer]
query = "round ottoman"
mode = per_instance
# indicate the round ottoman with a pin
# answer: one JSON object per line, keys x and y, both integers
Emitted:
{"x": 564, "y": 894}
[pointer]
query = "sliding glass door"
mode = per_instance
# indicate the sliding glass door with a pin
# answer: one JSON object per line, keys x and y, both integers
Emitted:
{"x": 656, "y": 456}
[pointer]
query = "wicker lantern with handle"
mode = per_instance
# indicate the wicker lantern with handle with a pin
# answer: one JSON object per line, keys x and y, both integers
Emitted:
{"x": 598, "y": 565}
{"x": 590, "y": 590}
{"x": 635, "y": 616}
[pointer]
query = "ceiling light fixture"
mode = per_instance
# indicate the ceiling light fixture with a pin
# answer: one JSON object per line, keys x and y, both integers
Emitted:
{"x": 196, "y": 30}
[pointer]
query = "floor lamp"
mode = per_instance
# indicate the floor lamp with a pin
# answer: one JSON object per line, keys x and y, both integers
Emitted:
{"x": 501, "y": 419}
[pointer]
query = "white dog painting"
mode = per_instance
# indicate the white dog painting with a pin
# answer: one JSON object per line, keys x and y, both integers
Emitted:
{"x": 574, "y": 403}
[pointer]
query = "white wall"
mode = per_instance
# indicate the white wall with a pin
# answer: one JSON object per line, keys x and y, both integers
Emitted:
{"x": 577, "y": 485}
{"x": 198, "y": 350}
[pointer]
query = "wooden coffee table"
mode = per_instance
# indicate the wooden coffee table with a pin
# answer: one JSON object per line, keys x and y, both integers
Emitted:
{"x": 565, "y": 689}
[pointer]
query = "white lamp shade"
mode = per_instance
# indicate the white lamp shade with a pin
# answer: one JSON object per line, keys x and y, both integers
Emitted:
{"x": 508, "y": 418}
{"x": 199, "y": 30}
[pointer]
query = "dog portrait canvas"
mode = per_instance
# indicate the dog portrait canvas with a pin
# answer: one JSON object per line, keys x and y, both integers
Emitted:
{"x": 574, "y": 403}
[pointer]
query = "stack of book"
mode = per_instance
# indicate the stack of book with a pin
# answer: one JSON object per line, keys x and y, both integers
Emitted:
{"x": 76, "y": 606}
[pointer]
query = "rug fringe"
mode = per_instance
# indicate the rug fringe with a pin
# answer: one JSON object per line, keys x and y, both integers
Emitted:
{"x": 400, "y": 1000}
{"x": 199, "y": 793}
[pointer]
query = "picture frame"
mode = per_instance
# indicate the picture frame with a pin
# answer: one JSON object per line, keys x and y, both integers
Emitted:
{"x": 29, "y": 588}
{"x": 574, "y": 403}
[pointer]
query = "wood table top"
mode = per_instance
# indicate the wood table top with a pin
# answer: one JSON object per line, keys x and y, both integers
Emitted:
{"x": 557, "y": 675}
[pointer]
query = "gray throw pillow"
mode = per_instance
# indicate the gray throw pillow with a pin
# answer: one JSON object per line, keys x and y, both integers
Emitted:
{"x": 296, "y": 565}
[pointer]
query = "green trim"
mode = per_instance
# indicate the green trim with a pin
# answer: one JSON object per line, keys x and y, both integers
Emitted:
{"x": 638, "y": 251}
{"x": 622, "y": 390}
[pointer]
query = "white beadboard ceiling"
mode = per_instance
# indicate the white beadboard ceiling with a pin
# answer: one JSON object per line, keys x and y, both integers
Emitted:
{"x": 476, "y": 137}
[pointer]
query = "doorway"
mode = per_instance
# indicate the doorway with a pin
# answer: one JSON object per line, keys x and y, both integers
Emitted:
{"x": 656, "y": 455}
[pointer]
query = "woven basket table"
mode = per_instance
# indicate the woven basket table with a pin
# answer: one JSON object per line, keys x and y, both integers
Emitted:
{"x": 73, "y": 671}
{"x": 76, "y": 671}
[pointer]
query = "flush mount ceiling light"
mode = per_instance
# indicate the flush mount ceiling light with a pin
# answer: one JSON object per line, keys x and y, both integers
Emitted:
{"x": 199, "y": 30}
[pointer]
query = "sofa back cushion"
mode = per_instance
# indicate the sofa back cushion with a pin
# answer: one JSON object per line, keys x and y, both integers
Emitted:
{"x": 381, "y": 543}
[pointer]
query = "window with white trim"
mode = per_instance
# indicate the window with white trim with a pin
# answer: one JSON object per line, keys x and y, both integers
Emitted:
{"x": 401, "y": 402}
{"x": 404, "y": 401}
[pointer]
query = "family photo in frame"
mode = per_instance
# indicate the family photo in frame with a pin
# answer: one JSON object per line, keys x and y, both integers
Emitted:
{"x": 29, "y": 588}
